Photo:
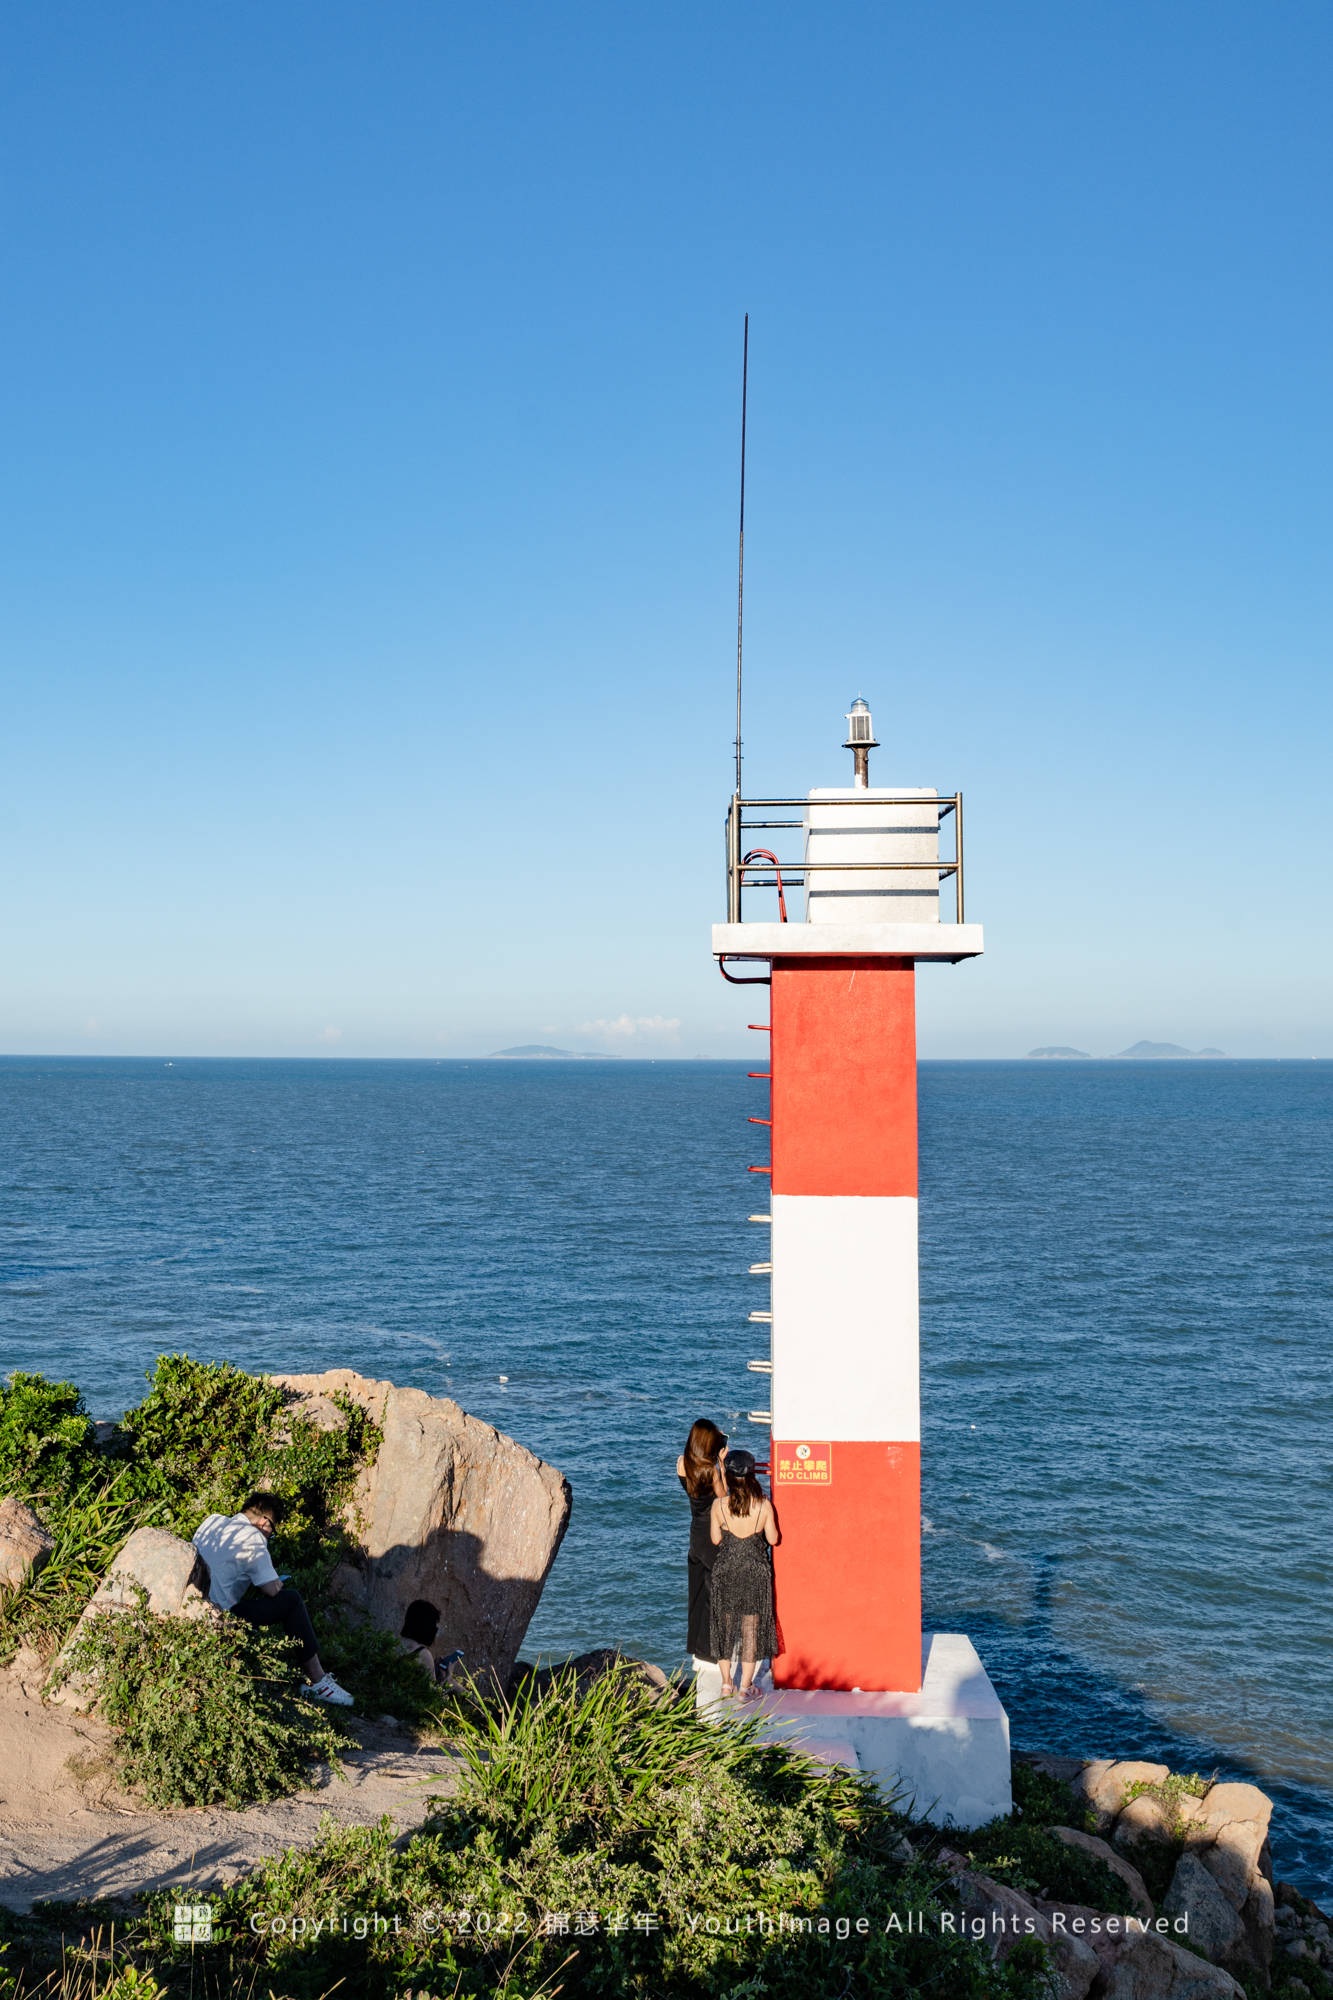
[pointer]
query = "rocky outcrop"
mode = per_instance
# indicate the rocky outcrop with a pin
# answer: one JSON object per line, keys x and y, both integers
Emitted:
{"x": 451, "y": 1510}
{"x": 155, "y": 1568}
{"x": 1304, "y": 1937}
{"x": 1222, "y": 1883}
{"x": 1093, "y": 1955}
{"x": 25, "y": 1545}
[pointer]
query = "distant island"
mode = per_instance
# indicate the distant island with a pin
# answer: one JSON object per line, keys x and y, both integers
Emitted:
{"x": 1141, "y": 1052}
{"x": 540, "y": 1052}
{"x": 1164, "y": 1052}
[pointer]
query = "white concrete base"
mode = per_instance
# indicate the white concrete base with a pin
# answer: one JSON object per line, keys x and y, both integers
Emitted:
{"x": 944, "y": 1751}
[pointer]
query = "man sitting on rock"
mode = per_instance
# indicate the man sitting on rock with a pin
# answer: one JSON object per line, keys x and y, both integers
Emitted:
{"x": 235, "y": 1548}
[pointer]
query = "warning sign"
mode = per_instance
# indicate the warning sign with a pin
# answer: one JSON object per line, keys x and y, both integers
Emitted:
{"x": 805, "y": 1464}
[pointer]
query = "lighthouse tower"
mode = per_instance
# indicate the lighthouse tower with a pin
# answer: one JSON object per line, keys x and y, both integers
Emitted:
{"x": 840, "y": 1180}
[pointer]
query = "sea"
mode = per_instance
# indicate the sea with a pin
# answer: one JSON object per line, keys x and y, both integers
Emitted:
{"x": 1126, "y": 1273}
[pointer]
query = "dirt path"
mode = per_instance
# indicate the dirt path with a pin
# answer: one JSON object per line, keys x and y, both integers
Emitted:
{"x": 66, "y": 1832}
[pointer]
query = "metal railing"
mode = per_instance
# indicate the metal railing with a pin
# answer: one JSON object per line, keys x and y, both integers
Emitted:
{"x": 742, "y": 873}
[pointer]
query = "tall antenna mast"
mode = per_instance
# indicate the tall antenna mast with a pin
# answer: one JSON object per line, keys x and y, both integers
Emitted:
{"x": 740, "y": 558}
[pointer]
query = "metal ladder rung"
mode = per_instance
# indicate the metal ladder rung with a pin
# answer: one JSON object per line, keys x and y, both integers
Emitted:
{"x": 762, "y": 1319}
{"x": 759, "y": 1270}
{"x": 760, "y": 1367}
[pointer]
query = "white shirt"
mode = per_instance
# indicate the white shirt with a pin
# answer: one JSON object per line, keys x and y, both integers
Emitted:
{"x": 236, "y": 1552}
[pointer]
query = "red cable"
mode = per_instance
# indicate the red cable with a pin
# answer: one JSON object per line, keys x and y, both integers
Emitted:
{"x": 764, "y": 854}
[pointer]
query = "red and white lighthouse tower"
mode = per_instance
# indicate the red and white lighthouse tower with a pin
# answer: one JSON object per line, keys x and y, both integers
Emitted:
{"x": 842, "y": 1174}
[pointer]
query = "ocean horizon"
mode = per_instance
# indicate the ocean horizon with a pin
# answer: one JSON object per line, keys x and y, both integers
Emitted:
{"x": 1125, "y": 1274}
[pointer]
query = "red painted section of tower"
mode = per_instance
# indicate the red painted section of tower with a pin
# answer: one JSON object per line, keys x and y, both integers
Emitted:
{"x": 844, "y": 1076}
{"x": 848, "y": 1570}
{"x": 844, "y": 1110}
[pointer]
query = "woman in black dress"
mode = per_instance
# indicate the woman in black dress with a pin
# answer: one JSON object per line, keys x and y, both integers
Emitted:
{"x": 743, "y": 1529}
{"x": 698, "y": 1472}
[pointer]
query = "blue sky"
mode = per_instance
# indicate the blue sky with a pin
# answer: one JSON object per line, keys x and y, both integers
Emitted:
{"x": 368, "y": 540}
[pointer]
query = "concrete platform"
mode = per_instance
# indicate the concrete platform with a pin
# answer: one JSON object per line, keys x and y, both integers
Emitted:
{"x": 950, "y": 942}
{"x": 945, "y": 1751}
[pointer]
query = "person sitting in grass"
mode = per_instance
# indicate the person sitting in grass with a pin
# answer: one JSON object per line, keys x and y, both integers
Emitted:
{"x": 235, "y": 1548}
{"x": 421, "y": 1626}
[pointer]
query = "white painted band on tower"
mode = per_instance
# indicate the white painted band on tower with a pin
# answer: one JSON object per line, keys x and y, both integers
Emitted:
{"x": 846, "y": 1318}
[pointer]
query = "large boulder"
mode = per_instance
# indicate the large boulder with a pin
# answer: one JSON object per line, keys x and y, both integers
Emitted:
{"x": 999, "y": 1918}
{"x": 1227, "y": 1833}
{"x": 1151, "y": 1967}
{"x": 1138, "y": 1960}
{"x": 154, "y": 1568}
{"x": 1215, "y": 1929}
{"x": 451, "y": 1510}
{"x": 25, "y": 1545}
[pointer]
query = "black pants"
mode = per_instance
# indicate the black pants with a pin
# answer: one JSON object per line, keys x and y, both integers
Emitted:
{"x": 285, "y": 1608}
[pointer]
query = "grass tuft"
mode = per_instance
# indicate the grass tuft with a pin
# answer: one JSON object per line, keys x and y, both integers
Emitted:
{"x": 205, "y": 1712}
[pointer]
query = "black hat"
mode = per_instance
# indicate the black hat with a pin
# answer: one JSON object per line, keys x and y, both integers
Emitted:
{"x": 740, "y": 1462}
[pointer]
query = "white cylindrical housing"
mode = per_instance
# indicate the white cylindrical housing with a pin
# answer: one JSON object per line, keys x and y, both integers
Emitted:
{"x": 888, "y": 825}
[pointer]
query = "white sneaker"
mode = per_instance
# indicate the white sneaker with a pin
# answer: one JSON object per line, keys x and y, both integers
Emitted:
{"x": 329, "y": 1690}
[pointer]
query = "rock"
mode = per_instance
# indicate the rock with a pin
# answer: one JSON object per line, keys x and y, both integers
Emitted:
{"x": 158, "y": 1563}
{"x": 1223, "y": 1803}
{"x": 1104, "y": 1781}
{"x": 591, "y": 1666}
{"x": 167, "y": 1571}
{"x": 1088, "y": 1843}
{"x": 1102, "y": 1933}
{"x": 1228, "y": 1830}
{"x": 1228, "y": 1834}
{"x": 1065, "y": 1769}
{"x": 999, "y": 1918}
{"x": 1137, "y": 1963}
{"x": 1150, "y": 1967}
{"x": 1145, "y": 1821}
{"x": 1215, "y": 1927}
{"x": 25, "y": 1545}
{"x": 452, "y": 1511}
{"x": 587, "y": 1668}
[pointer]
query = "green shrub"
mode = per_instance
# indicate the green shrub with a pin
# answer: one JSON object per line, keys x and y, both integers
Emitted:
{"x": 373, "y": 1667}
{"x": 205, "y": 1712}
{"x": 1041, "y": 1800}
{"x": 623, "y": 1803}
{"x": 1031, "y": 1859}
{"x": 46, "y": 1440}
{"x": 1022, "y": 1852}
{"x": 207, "y": 1434}
{"x": 200, "y": 1439}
